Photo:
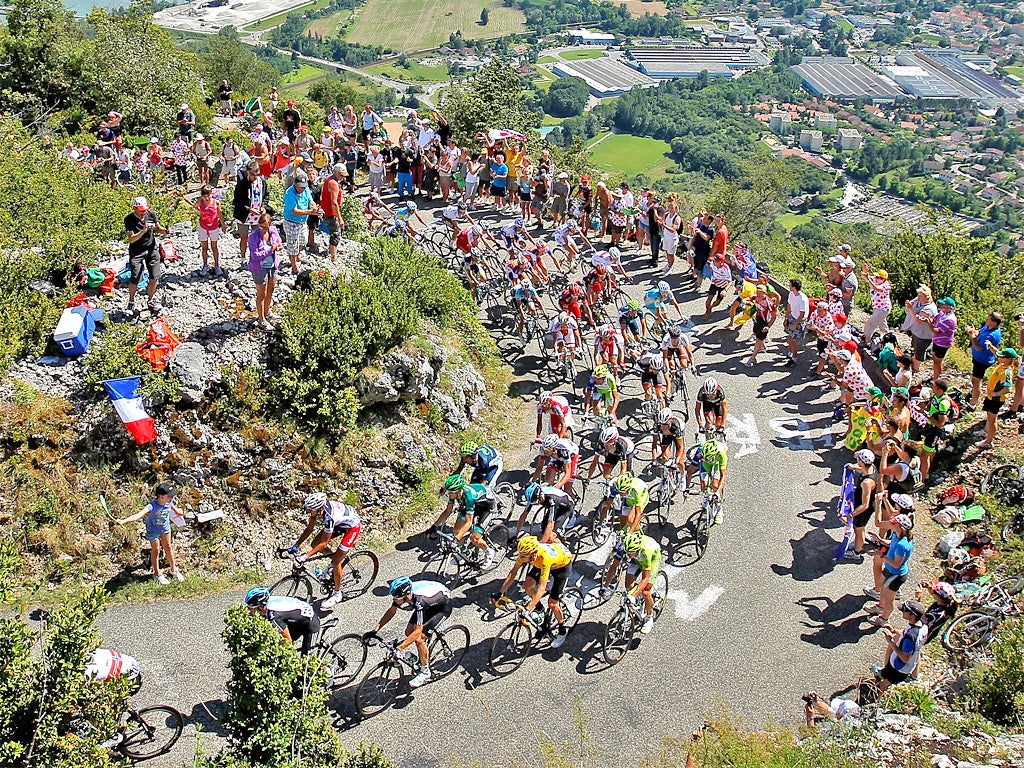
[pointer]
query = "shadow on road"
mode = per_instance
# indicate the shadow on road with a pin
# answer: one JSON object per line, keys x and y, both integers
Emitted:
{"x": 823, "y": 613}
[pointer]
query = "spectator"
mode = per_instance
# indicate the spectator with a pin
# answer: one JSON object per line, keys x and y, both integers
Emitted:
{"x": 603, "y": 197}
{"x": 155, "y": 157}
{"x": 853, "y": 380}
{"x": 123, "y": 161}
{"x": 700, "y": 243}
{"x": 899, "y": 408}
{"x": 186, "y": 121}
{"x": 211, "y": 224}
{"x": 224, "y": 93}
{"x": 823, "y": 326}
{"x": 798, "y": 308}
{"x": 888, "y": 351}
{"x": 180, "y": 149}
{"x": 113, "y": 123}
{"x": 586, "y": 194}
{"x": 984, "y": 343}
{"x": 866, "y": 483}
{"x": 904, "y": 648}
{"x": 881, "y": 302}
{"x": 904, "y": 375}
{"x": 942, "y": 610}
{"x": 202, "y": 151}
{"x": 848, "y": 284}
{"x": 330, "y": 204}
{"x": 264, "y": 261}
{"x": 720, "y": 244}
{"x": 559, "y": 197}
{"x": 655, "y": 219}
{"x": 260, "y": 154}
{"x": 158, "y": 529}
{"x": 349, "y": 124}
{"x": 248, "y": 203}
{"x": 369, "y": 119}
{"x": 298, "y": 206}
{"x": 1018, "y": 388}
{"x": 721, "y": 279}
{"x": 351, "y": 159}
{"x": 539, "y": 197}
{"x": 291, "y": 119}
{"x": 670, "y": 224}
{"x": 229, "y": 155}
{"x": 890, "y": 569}
{"x": 997, "y": 389}
{"x": 499, "y": 180}
{"x": 936, "y": 411}
{"x": 303, "y": 143}
{"x": 143, "y": 253}
{"x": 765, "y": 313}
{"x": 273, "y": 99}
{"x": 943, "y": 327}
{"x": 616, "y": 220}
{"x": 917, "y": 326}
{"x": 375, "y": 162}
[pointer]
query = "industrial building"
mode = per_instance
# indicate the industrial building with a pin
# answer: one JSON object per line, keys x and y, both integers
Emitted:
{"x": 843, "y": 77}
{"x": 690, "y": 61}
{"x": 941, "y": 74}
{"x": 589, "y": 37}
{"x": 604, "y": 77}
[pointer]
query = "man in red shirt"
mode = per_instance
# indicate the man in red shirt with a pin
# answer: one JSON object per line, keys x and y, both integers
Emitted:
{"x": 720, "y": 245}
{"x": 330, "y": 202}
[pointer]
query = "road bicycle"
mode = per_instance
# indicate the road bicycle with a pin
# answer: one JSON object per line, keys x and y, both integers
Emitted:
{"x": 976, "y": 629}
{"x": 359, "y": 570}
{"x": 679, "y": 388}
{"x": 665, "y": 493}
{"x": 565, "y": 363}
{"x": 489, "y": 297}
{"x": 527, "y": 630}
{"x": 384, "y": 682}
{"x": 141, "y": 734}
{"x": 1006, "y": 484}
{"x": 627, "y": 620}
{"x": 343, "y": 658}
{"x": 710, "y": 509}
{"x": 459, "y": 562}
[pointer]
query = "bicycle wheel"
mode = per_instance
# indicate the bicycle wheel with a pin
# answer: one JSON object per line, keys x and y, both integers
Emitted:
{"x": 510, "y": 648}
{"x": 655, "y": 328}
{"x": 571, "y": 603}
{"x": 447, "y": 649}
{"x": 294, "y": 585}
{"x": 618, "y": 636}
{"x": 150, "y": 731}
{"x": 701, "y": 533}
{"x": 497, "y": 538}
{"x": 360, "y": 571}
{"x": 344, "y": 659}
{"x": 660, "y": 593}
{"x": 1012, "y": 586}
{"x": 379, "y": 689}
{"x": 682, "y": 391}
{"x": 508, "y": 500}
{"x": 1003, "y": 482}
{"x": 1013, "y": 527}
{"x": 968, "y": 631}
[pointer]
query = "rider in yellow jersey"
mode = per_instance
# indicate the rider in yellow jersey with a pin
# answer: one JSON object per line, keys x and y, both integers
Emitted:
{"x": 548, "y": 562}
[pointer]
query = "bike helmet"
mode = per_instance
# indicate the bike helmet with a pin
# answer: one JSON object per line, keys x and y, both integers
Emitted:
{"x": 624, "y": 481}
{"x": 525, "y": 282}
{"x": 675, "y": 331}
{"x": 411, "y": 205}
{"x": 710, "y": 385}
{"x": 563, "y": 318}
{"x": 531, "y": 493}
{"x": 615, "y": 253}
{"x": 400, "y": 587}
{"x": 657, "y": 363}
{"x": 958, "y": 556}
{"x": 468, "y": 447}
{"x": 663, "y": 286}
{"x": 549, "y": 442}
{"x": 545, "y": 396}
{"x": 455, "y": 483}
{"x": 632, "y": 542}
{"x": 608, "y": 434}
{"x": 600, "y": 270}
{"x": 665, "y": 415}
{"x": 710, "y": 451}
{"x": 315, "y": 501}
{"x": 528, "y": 546}
{"x": 477, "y": 230}
{"x": 257, "y": 597}
{"x": 945, "y": 591}
{"x": 601, "y": 372}
{"x": 518, "y": 223}
{"x": 632, "y": 305}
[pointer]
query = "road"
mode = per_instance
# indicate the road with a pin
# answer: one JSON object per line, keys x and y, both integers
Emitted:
{"x": 761, "y": 619}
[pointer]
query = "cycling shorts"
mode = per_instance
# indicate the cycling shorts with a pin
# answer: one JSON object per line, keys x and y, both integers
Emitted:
{"x": 716, "y": 408}
{"x": 657, "y": 378}
{"x": 930, "y": 437}
{"x": 348, "y": 537}
{"x": 556, "y": 579}
{"x": 574, "y": 464}
{"x": 486, "y": 475}
{"x": 555, "y": 513}
{"x": 633, "y": 323}
{"x": 433, "y": 615}
{"x": 633, "y": 568}
{"x": 481, "y": 513}
{"x": 306, "y": 630}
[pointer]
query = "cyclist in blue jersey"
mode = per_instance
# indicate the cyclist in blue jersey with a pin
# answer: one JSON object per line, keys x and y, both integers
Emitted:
{"x": 525, "y": 299}
{"x": 631, "y": 322}
{"x": 658, "y": 299}
{"x": 295, "y": 619}
{"x": 485, "y": 460}
{"x": 404, "y": 215}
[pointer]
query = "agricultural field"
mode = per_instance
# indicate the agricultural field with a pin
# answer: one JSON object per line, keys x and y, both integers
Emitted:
{"x": 621, "y": 154}
{"x": 416, "y": 25}
{"x": 638, "y": 8}
{"x": 414, "y": 71}
{"x": 273, "y": 21}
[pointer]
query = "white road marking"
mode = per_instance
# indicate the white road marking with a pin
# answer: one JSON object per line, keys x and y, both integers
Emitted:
{"x": 798, "y": 437}
{"x": 691, "y": 610}
{"x": 744, "y": 433}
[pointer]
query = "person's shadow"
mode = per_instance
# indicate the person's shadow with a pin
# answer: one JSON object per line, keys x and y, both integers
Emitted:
{"x": 823, "y": 613}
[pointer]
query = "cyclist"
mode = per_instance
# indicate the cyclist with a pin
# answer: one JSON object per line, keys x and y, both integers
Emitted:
{"x": 565, "y": 333}
{"x": 430, "y": 603}
{"x": 560, "y": 459}
{"x": 515, "y": 233}
{"x": 342, "y": 522}
{"x": 534, "y": 257}
{"x": 643, "y": 557}
{"x": 404, "y": 215}
{"x": 631, "y": 495}
{"x": 295, "y": 619}
{"x": 652, "y": 379}
{"x": 548, "y": 562}
{"x": 711, "y": 402}
{"x": 631, "y": 322}
{"x": 565, "y": 235}
{"x": 372, "y": 207}
{"x": 606, "y": 390}
{"x": 452, "y": 213}
{"x": 485, "y": 460}
{"x": 596, "y": 282}
{"x": 477, "y": 270}
{"x": 557, "y": 505}
{"x": 473, "y": 237}
{"x": 573, "y": 300}
{"x": 611, "y": 260}
{"x": 711, "y": 460}
{"x": 557, "y": 406}
{"x": 676, "y": 348}
{"x": 103, "y": 665}
{"x": 608, "y": 346}
{"x": 617, "y": 449}
{"x": 525, "y": 299}
{"x": 657, "y": 300}
{"x": 476, "y": 503}
{"x": 668, "y": 439}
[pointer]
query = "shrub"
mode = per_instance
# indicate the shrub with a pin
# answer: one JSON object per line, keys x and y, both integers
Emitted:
{"x": 355, "y": 221}
{"x": 910, "y": 699}
{"x": 27, "y": 318}
{"x": 112, "y": 355}
{"x": 997, "y": 690}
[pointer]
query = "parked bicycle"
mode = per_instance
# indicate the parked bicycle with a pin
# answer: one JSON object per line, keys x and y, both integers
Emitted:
{"x": 141, "y": 734}
{"x": 528, "y": 630}
{"x": 359, "y": 570}
{"x": 625, "y": 623}
{"x": 1006, "y": 484}
{"x": 976, "y": 629}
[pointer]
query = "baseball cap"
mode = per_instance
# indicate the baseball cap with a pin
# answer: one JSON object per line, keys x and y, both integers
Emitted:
{"x": 763, "y": 288}
{"x": 914, "y": 607}
{"x": 563, "y": 175}
{"x": 154, "y": 140}
{"x": 882, "y": 274}
{"x": 901, "y": 392}
{"x": 584, "y": 177}
{"x": 839, "y": 318}
{"x": 183, "y": 105}
{"x": 847, "y": 263}
{"x": 874, "y": 393}
{"x": 947, "y": 301}
{"x": 199, "y": 137}
{"x": 846, "y": 247}
{"x": 339, "y": 168}
{"x": 903, "y": 501}
{"x": 865, "y": 455}
{"x": 140, "y": 204}
{"x": 291, "y": 102}
{"x": 836, "y": 259}
{"x": 845, "y": 354}
{"x": 1008, "y": 352}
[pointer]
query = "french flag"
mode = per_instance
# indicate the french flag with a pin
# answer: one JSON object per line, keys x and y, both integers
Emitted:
{"x": 124, "y": 393}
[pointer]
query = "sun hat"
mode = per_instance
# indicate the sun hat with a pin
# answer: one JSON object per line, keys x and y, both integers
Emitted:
{"x": 882, "y": 274}
{"x": 846, "y": 247}
{"x": 140, "y": 204}
{"x": 199, "y": 137}
{"x": 563, "y": 175}
{"x": 865, "y": 455}
{"x": 836, "y": 259}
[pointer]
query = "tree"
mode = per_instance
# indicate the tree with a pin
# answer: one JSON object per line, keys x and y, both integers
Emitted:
{"x": 567, "y": 97}
{"x": 493, "y": 97}
{"x": 752, "y": 203}
{"x": 483, "y": 17}
{"x": 224, "y": 58}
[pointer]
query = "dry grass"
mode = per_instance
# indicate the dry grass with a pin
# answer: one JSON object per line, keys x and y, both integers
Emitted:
{"x": 638, "y": 8}
{"x": 413, "y": 25}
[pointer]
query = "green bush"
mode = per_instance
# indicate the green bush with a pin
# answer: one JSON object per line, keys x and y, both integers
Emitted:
{"x": 112, "y": 355}
{"x": 910, "y": 699}
{"x": 996, "y": 690}
{"x": 355, "y": 221}
{"x": 27, "y": 318}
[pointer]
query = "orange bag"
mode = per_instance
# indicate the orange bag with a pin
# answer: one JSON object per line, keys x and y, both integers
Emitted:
{"x": 160, "y": 345}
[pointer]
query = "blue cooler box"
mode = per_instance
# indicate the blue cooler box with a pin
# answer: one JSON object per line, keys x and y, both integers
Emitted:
{"x": 74, "y": 331}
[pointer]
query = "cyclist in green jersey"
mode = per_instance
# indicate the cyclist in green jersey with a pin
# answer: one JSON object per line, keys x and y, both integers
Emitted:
{"x": 711, "y": 460}
{"x": 606, "y": 390}
{"x": 632, "y": 496}
{"x": 643, "y": 561}
{"x": 475, "y": 503}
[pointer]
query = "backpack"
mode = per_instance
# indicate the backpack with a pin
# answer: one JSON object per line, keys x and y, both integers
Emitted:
{"x": 955, "y": 496}
{"x": 94, "y": 278}
{"x": 168, "y": 253}
{"x": 947, "y": 543}
{"x": 157, "y": 348}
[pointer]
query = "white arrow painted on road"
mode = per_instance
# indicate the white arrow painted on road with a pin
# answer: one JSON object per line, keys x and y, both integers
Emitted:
{"x": 691, "y": 610}
{"x": 744, "y": 433}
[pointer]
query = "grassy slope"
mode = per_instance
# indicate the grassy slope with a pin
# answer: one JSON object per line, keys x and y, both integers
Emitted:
{"x": 410, "y": 25}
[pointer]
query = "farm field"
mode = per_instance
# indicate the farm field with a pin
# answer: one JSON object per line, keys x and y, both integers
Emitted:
{"x": 414, "y": 25}
{"x": 413, "y": 71}
{"x": 273, "y": 21}
{"x": 623, "y": 154}
{"x": 638, "y": 8}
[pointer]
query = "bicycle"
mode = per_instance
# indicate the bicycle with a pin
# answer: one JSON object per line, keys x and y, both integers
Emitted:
{"x": 627, "y": 620}
{"x": 1006, "y": 483}
{"x": 513, "y": 643}
{"x": 141, "y": 734}
{"x": 565, "y": 364}
{"x": 710, "y": 508}
{"x": 976, "y": 629}
{"x": 679, "y": 389}
{"x": 343, "y": 658}
{"x": 665, "y": 493}
{"x": 359, "y": 572}
{"x": 459, "y": 562}
{"x": 380, "y": 687}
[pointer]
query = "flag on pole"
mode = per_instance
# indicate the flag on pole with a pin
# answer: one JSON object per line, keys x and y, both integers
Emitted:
{"x": 254, "y": 107}
{"x": 844, "y": 509}
{"x": 124, "y": 393}
{"x": 497, "y": 134}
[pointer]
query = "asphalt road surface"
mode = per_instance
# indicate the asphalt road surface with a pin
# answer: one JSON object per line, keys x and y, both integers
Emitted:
{"x": 764, "y": 617}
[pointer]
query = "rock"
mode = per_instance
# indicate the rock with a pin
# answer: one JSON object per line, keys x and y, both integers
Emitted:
{"x": 398, "y": 375}
{"x": 942, "y": 761}
{"x": 452, "y": 414}
{"x": 188, "y": 363}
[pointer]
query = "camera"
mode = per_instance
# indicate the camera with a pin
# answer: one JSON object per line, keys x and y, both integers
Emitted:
{"x": 809, "y": 698}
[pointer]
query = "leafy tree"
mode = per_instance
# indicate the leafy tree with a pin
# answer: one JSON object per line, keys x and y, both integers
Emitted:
{"x": 751, "y": 203}
{"x": 493, "y": 97}
{"x": 483, "y": 17}
{"x": 567, "y": 97}
{"x": 224, "y": 58}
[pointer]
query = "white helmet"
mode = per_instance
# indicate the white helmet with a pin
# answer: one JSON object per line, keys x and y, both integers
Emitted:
{"x": 315, "y": 501}
{"x": 544, "y": 396}
{"x": 665, "y": 415}
{"x": 549, "y": 442}
{"x": 663, "y": 286}
{"x": 563, "y": 318}
{"x": 657, "y": 362}
{"x": 477, "y": 230}
{"x": 615, "y": 253}
{"x": 608, "y": 434}
{"x": 710, "y": 385}
{"x": 411, "y": 205}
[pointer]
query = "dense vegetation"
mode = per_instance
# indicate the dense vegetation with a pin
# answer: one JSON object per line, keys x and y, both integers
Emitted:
{"x": 567, "y": 97}
{"x": 292, "y": 35}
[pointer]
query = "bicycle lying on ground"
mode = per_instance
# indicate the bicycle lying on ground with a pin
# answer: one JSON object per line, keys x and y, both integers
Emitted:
{"x": 1006, "y": 484}
{"x": 141, "y": 734}
{"x": 976, "y": 629}
{"x": 359, "y": 570}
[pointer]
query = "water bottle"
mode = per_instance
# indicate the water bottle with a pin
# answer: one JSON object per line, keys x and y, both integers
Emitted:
{"x": 319, "y": 571}
{"x": 413, "y": 658}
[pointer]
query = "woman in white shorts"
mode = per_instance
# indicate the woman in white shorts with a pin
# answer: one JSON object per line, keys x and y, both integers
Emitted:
{"x": 670, "y": 231}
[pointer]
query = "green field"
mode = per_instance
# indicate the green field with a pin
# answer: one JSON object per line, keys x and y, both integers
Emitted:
{"x": 585, "y": 53}
{"x": 413, "y": 71}
{"x": 1015, "y": 71}
{"x": 544, "y": 78}
{"x": 417, "y": 25}
{"x": 546, "y": 60}
{"x": 789, "y": 220}
{"x": 622, "y": 154}
{"x": 844, "y": 25}
{"x": 279, "y": 18}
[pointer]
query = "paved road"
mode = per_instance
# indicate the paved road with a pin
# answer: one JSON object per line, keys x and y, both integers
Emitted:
{"x": 763, "y": 617}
